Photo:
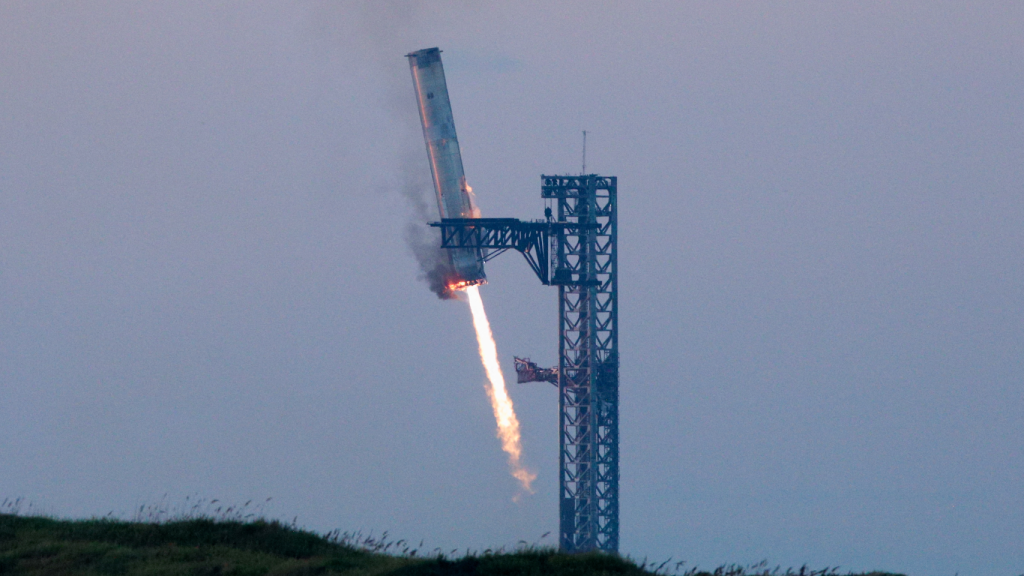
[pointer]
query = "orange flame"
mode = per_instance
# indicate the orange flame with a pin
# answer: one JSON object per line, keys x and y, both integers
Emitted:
{"x": 504, "y": 413}
{"x": 463, "y": 284}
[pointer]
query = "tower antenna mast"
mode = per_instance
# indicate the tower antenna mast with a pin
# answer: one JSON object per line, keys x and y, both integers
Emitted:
{"x": 584, "y": 153}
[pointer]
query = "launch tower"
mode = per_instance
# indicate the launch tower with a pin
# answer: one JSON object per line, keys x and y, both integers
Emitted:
{"x": 588, "y": 360}
{"x": 574, "y": 248}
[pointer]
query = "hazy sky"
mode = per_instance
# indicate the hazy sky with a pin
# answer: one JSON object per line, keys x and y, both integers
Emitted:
{"x": 205, "y": 288}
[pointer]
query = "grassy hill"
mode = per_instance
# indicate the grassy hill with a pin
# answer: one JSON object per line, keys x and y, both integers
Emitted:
{"x": 45, "y": 546}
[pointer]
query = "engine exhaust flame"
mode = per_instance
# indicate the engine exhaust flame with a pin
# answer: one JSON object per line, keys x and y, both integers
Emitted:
{"x": 504, "y": 413}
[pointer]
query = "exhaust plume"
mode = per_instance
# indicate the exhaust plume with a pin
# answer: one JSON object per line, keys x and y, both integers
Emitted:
{"x": 504, "y": 413}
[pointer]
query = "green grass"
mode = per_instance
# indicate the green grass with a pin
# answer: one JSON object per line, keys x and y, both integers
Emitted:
{"x": 46, "y": 546}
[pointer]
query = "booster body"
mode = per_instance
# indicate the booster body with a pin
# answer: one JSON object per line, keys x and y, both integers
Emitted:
{"x": 454, "y": 196}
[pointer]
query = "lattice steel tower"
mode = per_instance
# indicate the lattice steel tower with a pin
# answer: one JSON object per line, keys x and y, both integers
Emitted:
{"x": 574, "y": 248}
{"x": 585, "y": 270}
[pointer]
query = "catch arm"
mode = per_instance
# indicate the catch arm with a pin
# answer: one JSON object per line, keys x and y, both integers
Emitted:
{"x": 496, "y": 235}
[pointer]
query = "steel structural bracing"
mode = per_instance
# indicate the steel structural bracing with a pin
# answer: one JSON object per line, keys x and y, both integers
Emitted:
{"x": 585, "y": 270}
{"x": 575, "y": 249}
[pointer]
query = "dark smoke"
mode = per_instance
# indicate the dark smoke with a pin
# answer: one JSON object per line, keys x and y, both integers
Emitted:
{"x": 388, "y": 29}
{"x": 424, "y": 241}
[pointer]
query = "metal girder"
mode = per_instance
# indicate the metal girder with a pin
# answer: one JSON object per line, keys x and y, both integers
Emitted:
{"x": 498, "y": 235}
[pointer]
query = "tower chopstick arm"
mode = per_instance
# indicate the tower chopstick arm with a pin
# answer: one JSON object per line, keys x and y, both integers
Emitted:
{"x": 531, "y": 239}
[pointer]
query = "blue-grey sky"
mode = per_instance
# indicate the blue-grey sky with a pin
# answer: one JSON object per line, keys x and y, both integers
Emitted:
{"x": 205, "y": 287}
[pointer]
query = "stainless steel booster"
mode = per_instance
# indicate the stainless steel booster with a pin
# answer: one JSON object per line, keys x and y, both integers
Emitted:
{"x": 454, "y": 197}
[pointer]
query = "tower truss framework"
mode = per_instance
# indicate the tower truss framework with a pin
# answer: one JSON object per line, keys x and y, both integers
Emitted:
{"x": 585, "y": 270}
{"x": 574, "y": 249}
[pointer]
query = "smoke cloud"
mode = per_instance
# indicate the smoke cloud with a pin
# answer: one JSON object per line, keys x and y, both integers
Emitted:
{"x": 389, "y": 32}
{"x": 423, "y": 241}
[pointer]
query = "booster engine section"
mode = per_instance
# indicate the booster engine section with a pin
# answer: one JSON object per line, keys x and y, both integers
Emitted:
{"x": 454, "y": 196}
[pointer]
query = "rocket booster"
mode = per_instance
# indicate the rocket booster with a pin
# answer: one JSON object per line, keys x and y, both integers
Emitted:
{"x": 454, "y": 197}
